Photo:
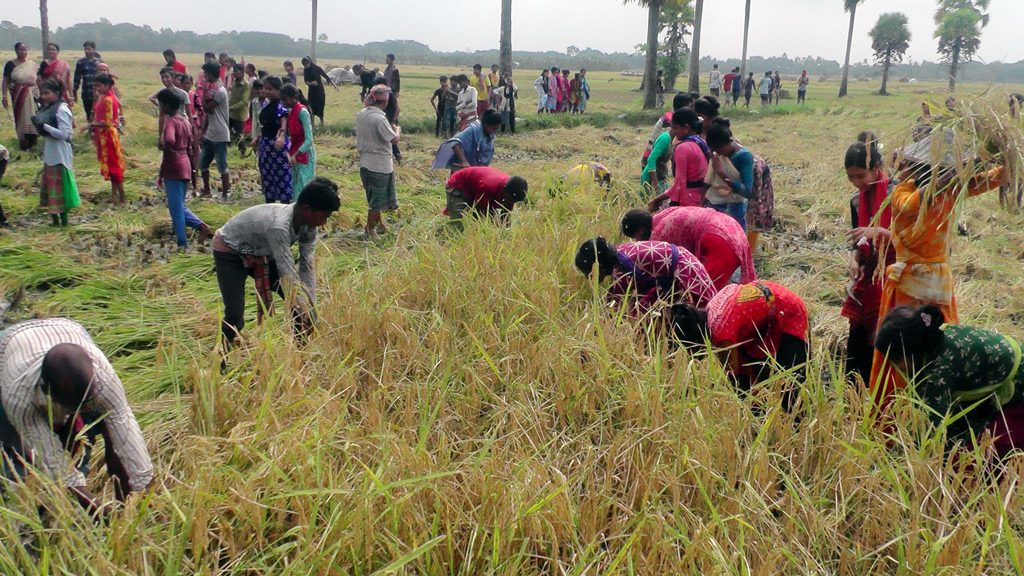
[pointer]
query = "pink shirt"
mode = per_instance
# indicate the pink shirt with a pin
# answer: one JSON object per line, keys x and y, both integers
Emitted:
{"x": 177, "y": 149}
{"x": 691, "y": 166}
{"x": 684, "y": 226}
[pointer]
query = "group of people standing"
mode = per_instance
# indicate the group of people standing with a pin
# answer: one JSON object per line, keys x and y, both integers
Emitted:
{"x": 557, "y": 93}
{"x": 730, "y": 85}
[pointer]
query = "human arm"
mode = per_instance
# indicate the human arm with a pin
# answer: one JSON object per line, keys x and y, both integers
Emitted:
{"x": 152, "y": 98}
{"x": 744, "y": 164}
{"x": 64, "y": 129}
{"x": 650, "y": 172}
{"x": 326, "y": 76}
{"x": 238, "y": 106}
{"x": 433, "y": 99}
{"x": 281, "y": 131}
{"x": 460, "y": 156}
{"x": 299, "y": 283}
{"x": 656, "y": 131}
{"x": 77, "y": 81}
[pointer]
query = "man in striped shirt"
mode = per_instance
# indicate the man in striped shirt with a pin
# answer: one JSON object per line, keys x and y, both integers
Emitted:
{"x": 55, "y": 384}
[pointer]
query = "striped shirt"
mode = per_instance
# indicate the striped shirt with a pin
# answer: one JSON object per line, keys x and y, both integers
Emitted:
{"x": 33, "y": 415}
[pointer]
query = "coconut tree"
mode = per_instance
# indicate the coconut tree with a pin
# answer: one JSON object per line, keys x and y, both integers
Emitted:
{"x": 651, "y": 64}
{"x": 676, "y": 19}
{"x": 890, "y": 39}
{"x": 505, "y": 44}
{"x": 958, "y": 29}
{"x": 312, "y": 37}
{"x": 44, "y": 23}
{"x": 851, "y": 7}
{"x": 698, "y": 12}
{"x": 746, "y": 31}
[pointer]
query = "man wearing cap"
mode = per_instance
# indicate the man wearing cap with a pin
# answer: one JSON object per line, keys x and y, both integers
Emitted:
{"x": 55, "y": 385}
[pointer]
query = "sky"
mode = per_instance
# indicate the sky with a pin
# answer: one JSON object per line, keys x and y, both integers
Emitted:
{"x": 791, "y": 27}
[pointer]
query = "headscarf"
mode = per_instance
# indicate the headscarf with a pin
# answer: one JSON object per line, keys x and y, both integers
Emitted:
{"x": 378, "y": 93}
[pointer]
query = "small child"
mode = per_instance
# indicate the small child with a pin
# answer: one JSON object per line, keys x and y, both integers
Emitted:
{"x": 289, "y": 73}
{"x": 58, "y": 192}
{"x": 256, "y": 105}
{"x": 107, "y": 138}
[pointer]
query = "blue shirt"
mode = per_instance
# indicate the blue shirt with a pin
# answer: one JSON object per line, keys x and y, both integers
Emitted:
{"x": 478, "y": 148}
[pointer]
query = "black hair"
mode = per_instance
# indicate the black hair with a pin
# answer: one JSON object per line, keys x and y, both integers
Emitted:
{"x": 442, "y": 78}
{"x": 321, "y": 195}
{"x": 273, "y": 82}
{"x": 105, "y": 79}
{"x": 183, "y": 77}
{"x": 695, "y": 96}
{"x": 516, "y": 187}
{"x": 18, "y": 44}
{"x": 170, "y": 99}
{"x": 250, "y": 66}
{"x": 707, "y": 106}
{"x": 261, "y": 74}
{"x": 379, "y": 81}
{"x": 565, "y": 71}
{"x": 223, "y": 55}
{"x": 718, "y": 134}
{"x": 211, "y": 68}
{"x": 864, "y": 153}
{"x": 209, "y": 55}
{"x": 554, "y": 69}
{"x": 906, "y": 333}
{"x": 289, "y": 91}
{"x": 257, "y": 83}
{"x": 491, "y": 118}
{"x": 681, "y": 100}
{"x": 170, "y": 53}
{"x": 237, "y": 66}
{"x": 167, "y": 70}
{"x": 392, "y": 56}
{"x": 687, "y": 117}
{"x": 287, "y": 63}
{"x": 597, "y": 251}
{"x": 54, "y": 44}
{"x": 306, "y": 60}
{"x": 478, "y": 67}
{"x": 637, "y": 221}
{"x": 89, "y": 44}
{"x": 68, "y": 371}
{"x": 689, "y": 325}
{"x": 53, "y": 85}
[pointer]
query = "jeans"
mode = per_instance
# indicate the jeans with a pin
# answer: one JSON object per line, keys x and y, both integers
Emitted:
{"x": 738, "y": 211}
{"x": 450, "y": 119}
{"x": 181, "y": 216}
{"x": 208, "y": 151}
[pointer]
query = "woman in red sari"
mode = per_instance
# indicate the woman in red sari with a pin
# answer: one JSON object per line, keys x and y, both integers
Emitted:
{"x": 107, "y": 138}
{"x": 869, "y": 237}
{"x": 54, "y": 67}
{"x": 20, "y": 84}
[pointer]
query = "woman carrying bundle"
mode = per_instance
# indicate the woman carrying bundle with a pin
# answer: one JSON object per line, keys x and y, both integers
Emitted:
{"x": 923, "y": 204}
{"x": 690, "y": 158}
{"x": 734, "y": 172}
{"x": 649, "y": 271}
{"x": 714, "y": 238}
{"x": 869, "y": 239}
{"x": 965, "y": 371}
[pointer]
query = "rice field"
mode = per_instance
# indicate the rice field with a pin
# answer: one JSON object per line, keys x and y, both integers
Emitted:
{"x": 468, "y": 404}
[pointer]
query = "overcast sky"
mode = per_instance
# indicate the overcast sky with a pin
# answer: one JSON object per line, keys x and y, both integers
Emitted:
{"x": 793, "y": 27}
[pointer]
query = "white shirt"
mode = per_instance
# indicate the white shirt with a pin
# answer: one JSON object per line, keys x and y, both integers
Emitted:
{"x": 57, "y": 142}
{"x": 716, "y": 80}
{"x": 22, "y": 349}
{"x": 466, "y": 103}
{"x": 373, "y": 140}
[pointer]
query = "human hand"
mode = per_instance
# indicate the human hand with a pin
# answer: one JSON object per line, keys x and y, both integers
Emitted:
{"x": 291, "y": 160}
{"x": 279, "y": 143}
{"x": 862, "y": 233}
{"x": 855, "y": 271}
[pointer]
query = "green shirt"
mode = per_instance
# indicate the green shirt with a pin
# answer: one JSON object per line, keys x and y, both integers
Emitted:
{"x": 657, "y": 162}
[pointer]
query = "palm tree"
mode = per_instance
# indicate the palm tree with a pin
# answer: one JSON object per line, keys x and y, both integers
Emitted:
{"x": 651, "y": 64}
{"x": 44, "y": 23}
{"x": 958, "y": 28}
{"x": 851, "y": 7}
{"x": 312, "y": 37}
{"x": 746, "y": 31}
{"x": 505, "y": 43}
{"x": 698, "y": 12}
{"x": 890, "y": 40}
{"x": 676, "y": 19}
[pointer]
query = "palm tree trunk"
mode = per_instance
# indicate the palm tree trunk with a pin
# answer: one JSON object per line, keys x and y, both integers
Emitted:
{"x": 746, "y": 32}
{"x": 312, "y": 41}
{"x": 885, "y": 72}
{"x": 954, "y": 64}
{"x": 651, "y": 66}
{"x": 849, "y": 45}
{"x": 698, "y": 12}
{"x": 44, "y": 23}
{"x": 505, "y": 44}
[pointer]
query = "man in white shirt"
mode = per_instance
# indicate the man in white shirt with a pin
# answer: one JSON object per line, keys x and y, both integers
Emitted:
{"x": 54, "y": 385}
{"x": 374, "y": 139}
{"x": 715, "y": 82}
{"x": 465, "y": 106}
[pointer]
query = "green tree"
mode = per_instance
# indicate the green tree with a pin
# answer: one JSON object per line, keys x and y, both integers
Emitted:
{"x": 651, "y": 63}
{"x": 851, "y": 7}
{"x": 698, "y": 14}
{"x": 890, "y": 39}
{"x": 505, "y": 44}
{"x": 958, "y": 29}
{"x": 676, "y": 19}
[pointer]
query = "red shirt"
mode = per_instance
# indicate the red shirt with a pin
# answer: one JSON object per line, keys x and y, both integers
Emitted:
{"x": 179, "y": 67}
{"x": 728, "y": 79}
{"x": 483, "y": 187}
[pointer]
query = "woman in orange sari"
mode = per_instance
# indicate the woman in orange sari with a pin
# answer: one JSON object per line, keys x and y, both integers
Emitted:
{"x": 20, "y": 84}
{"x": 107, "y": 138}
{"x": 54, "y": 67}
{"x": 921, "y": 233}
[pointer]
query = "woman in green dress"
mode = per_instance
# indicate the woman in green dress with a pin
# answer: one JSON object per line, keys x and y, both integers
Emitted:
{"x": 301, "y": 153}
{"x": 959, "y": 370}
